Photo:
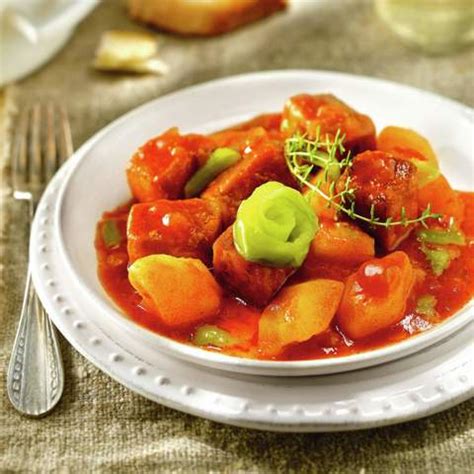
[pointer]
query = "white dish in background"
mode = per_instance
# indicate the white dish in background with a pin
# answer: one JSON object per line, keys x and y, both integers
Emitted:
{"x": 33, "y": 31}
{"x": 97, "y": 183}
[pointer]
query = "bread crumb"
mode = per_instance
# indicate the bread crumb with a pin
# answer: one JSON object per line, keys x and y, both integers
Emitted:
{"x": 129, "y": 51}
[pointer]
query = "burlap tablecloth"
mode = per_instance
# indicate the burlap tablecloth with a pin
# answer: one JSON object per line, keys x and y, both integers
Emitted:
{"x": 100, "y": 425}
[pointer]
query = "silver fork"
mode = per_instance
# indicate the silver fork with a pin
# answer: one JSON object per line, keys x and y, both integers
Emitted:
{"x": 35, "y": 378}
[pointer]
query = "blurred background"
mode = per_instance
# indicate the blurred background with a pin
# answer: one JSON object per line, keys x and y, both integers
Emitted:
{"x": 48, "y": 46}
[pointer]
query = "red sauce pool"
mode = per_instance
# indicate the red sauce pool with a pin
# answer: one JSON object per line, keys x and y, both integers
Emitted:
{"x": 453, "y": 289}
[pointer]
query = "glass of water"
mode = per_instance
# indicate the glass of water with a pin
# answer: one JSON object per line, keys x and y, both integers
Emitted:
{"x": 434, "y": 26}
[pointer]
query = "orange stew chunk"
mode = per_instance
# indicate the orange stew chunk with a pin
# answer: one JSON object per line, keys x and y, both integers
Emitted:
{"x": 254, "y": 283}
{"x": 442, "y": 199}
{"x": 340, "y": 243}
{"x": 298, "y": 313}
{"x": 304, "y": 113}
{"x": 407, "y": 144}
{"x": 321, "y": 207}
{"x": 262, "y": 161}
{"x": 180, "y": 291}
{"x": 162, "y": 166}
{"x": 269, "y": 122}
{"x": 376, "y": 295}
{"x": 467, "y": 198}
{"x": 182, "y": 228}
{"x": 388, "y": 185}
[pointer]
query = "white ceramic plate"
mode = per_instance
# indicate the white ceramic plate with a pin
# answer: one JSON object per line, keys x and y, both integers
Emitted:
{"x": 432, "y": 380}
{"x": 33, "y": 31}
{"x": 96, "y": 182}
{"x": 64, "y": 273}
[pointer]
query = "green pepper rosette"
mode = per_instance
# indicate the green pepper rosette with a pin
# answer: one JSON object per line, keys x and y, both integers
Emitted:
{"x": 275, "y": 226}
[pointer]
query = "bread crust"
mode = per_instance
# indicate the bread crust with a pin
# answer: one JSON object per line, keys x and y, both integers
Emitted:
{"x": 201, "y": 17}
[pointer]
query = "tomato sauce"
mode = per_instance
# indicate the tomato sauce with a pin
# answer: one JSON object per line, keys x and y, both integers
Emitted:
{"x": 453, "y": 289}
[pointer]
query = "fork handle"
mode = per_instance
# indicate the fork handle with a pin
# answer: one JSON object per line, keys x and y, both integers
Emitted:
{"x": 35, "y": 378}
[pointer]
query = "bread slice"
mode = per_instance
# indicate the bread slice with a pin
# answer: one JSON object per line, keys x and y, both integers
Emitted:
{"x": 201, "y": 17}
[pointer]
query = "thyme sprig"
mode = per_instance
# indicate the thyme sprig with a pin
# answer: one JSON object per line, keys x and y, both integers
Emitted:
{"x": 303, "y": 156}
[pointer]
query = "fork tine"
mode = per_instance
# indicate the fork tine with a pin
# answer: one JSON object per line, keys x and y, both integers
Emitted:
{"x": 66, "y": 147}
{"x": 51, "y": 163}
{"x": 20, "y": 164}
{"x": 36, "y": 168}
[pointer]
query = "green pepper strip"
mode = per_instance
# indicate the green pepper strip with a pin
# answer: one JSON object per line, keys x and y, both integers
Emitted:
{"x": 426, "y": 172}
{"x": 111, "y": 234}
{"x": 220, "y": 160}
{"x": 426, "y": 305}
{"x": 209, "y": 335}
{"x": 439, "y": 259}
{"x": 442, "y": 237}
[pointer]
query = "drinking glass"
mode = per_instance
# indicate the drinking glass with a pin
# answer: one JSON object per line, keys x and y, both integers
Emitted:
{"x": 434, "y": 26}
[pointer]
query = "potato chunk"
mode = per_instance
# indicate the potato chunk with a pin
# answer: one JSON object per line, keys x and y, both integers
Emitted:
{"x": 182, "y": 228}
{"x": 375, "y": 296}
{"x": 240, "y": 139}
{"x": 389, "y": 185}
{"x": 442, "y": 199}
{"x": 262, "y": 161}
{"x": 304, "y": 113}
{"x": 162, "y": 166}
{"x": 253, "y": 282}
{"x": 298, "y": 313}
{"x": 406, "y": 143}
{"x": 340, "y": 242}
{"x": 180, "y": 291}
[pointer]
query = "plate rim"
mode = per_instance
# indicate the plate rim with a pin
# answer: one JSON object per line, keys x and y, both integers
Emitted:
{"x": 268, "y": 417}
{"x": 234, "y": 363}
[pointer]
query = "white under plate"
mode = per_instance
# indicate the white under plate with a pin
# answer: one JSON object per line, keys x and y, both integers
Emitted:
{"x": 431, "y": 380}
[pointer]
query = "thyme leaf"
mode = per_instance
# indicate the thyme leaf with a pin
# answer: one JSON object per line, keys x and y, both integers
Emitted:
{"x": 303, "y": 156}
